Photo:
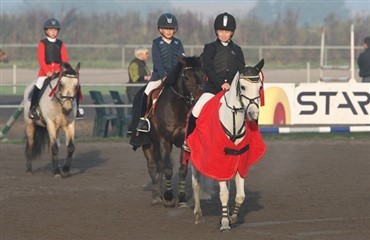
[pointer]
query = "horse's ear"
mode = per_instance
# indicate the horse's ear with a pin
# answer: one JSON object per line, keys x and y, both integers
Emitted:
{"x": 63, "y": 66}
{"x": 77, "y": 67}
{"x": 260, "y": 65}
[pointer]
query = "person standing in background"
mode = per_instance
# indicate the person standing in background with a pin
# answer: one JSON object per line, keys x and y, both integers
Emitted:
{"x": 363, "y": 61}
{"x": 138, "y": 72}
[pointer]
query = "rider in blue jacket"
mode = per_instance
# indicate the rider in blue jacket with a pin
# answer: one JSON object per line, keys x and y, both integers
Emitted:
{"x": 165, "y": 52}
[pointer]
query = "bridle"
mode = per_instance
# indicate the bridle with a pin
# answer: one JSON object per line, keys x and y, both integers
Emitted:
{"x": 189, "y": 98}
{"x": 236, "y": 134}
{"x": 57, "y": 93}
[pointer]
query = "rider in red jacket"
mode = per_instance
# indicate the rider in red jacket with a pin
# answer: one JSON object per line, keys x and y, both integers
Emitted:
{"x": 51, "y": 53}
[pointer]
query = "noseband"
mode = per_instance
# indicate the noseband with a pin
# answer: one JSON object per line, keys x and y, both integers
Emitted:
{"x": 251, "y": 101}
{"x": 62, "y": 98}
{"x": 253, "y": 79}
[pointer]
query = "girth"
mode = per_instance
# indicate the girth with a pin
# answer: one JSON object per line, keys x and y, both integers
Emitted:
{"x": 230, "y": 151}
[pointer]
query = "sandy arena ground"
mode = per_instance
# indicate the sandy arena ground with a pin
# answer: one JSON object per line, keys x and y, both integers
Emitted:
{"x": 300, "y": 190}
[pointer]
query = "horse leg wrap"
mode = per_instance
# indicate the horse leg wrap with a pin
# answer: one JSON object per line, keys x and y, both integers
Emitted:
{"x": 225, "y": 212}
{"x": 235, "y": 213}
{"x": 168, "y": 185}
{"x": 225, "y": 221}
{"x": 182, "y": 186}
{"x": 181, "y": 192}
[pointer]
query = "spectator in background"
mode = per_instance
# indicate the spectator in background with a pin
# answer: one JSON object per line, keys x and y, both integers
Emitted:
{"x": 363, "y": 61}
{"x": 138, "y": 72}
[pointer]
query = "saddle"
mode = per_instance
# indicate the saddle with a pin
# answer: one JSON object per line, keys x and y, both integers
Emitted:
{"x": 47, "y": 82}
{"x": 152, "y": 100}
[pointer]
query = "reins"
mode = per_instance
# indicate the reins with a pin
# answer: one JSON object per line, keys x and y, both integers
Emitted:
{"x": 189, "y": 99}
{"x": 236, "y": 134}
{"x": 57, "y": 93}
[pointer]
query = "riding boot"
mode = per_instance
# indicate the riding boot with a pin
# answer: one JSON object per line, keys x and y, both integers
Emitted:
{"x": 192, "y": 122}
{"x": 143, "y": 125}
{"x": 33, "y": 108}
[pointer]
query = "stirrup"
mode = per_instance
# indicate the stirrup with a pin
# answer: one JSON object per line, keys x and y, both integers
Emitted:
{"x": 144, "y": 125}
{"x": 33, "y": 114}
{"x": 186, "y": 147}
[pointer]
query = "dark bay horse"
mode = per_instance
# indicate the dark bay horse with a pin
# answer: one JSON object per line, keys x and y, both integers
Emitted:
{"x": 227, "y": 141}
{"x": 57, "y": 108}
{"x": 168, "y": 121}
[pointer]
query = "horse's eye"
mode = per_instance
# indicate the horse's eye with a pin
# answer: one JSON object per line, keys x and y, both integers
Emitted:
{"x": 242, "y": 87}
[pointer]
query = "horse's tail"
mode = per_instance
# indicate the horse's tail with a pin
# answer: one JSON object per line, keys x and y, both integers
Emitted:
{"x": 40, "y": 139}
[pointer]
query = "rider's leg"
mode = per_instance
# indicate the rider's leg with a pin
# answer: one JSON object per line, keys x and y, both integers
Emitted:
{"x": 35, "y": 98}
{"x": 143, "y": 125}
{"x": 193, "y": 116}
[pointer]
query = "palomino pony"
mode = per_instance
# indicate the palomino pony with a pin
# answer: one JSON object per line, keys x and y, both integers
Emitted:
{"x": 57, "y": 108}
{"x": 226, "y": 141}
{"x": 168, "y": 120}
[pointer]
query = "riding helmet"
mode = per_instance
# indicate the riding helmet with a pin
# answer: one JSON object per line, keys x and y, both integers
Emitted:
{"x": 167, "y": 20}
{"x": 225, "y": 21}
{"x": 51, "y": 23}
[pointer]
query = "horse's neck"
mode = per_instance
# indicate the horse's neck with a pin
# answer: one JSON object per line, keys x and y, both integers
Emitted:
{"x": 231, "y": 119}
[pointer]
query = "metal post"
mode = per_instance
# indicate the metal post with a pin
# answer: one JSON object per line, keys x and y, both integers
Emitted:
{"x": 352, "y": 79}
{"x": 14, "y": 78}
{"x": 308, "y": 72}
{"x": 322, "y": 52}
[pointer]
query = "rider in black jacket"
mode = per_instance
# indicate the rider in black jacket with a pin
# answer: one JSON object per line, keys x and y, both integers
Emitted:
{"x": 222, "y": 59}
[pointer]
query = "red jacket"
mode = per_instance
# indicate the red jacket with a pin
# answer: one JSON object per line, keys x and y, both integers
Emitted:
{"x": 208, "y": 143}
{"x": 53, "y": 67}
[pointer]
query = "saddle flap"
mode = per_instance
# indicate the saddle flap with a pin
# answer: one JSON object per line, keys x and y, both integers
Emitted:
{"x": 152, "y": 99}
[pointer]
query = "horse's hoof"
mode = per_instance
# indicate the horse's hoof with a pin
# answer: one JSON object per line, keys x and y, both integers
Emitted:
{"x": 156, "y": 201}
{"x": 169, "y": 203}
{"x": 225, "y": 229}
{"x": 199, "y": 221}
{"x": 183, "y": 205}
{"x": 233, "y": 219}
{"x": 225, "y": 225}
{"x": 57, "y": 175}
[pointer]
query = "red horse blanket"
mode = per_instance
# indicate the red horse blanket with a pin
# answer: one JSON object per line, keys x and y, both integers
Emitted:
{"x": 208, "y": 143}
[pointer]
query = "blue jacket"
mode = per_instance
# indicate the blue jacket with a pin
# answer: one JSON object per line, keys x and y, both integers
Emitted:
{"x": 165, "y": 56}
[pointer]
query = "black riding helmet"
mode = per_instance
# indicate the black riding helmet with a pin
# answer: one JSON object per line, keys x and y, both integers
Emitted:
{"x": 51, "y": 23}
{"x": 167, "y": 20}
{"x": 225, "y": 21}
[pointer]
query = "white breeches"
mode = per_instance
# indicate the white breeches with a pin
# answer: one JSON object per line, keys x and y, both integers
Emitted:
{"x": 40, "y": 81}
{"x": 200, "y": 103}
{"x": 152, "y": 85}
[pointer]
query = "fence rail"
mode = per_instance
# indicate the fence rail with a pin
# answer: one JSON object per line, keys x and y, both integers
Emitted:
{"x": 125, "y": 53}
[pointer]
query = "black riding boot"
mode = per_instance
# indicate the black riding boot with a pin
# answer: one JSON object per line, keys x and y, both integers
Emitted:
{"x": 143, "y": 125}
{"x": 35, "y": 97}
{"x": 192, "y": 122}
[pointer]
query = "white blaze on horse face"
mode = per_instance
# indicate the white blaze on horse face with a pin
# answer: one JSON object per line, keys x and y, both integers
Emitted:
{"x": 250, "y": 90}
